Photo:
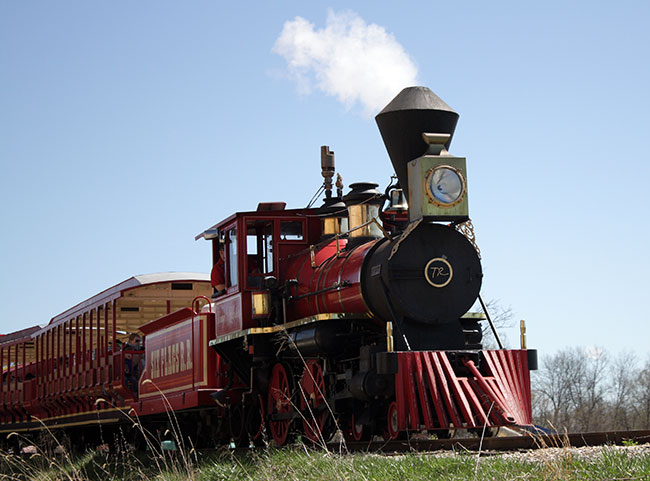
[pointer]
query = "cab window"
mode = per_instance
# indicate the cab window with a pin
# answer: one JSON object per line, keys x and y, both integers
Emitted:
{"x": 260, "y": 250}
{"x": 231, "y": 260}
{"x": 291, "y": 230}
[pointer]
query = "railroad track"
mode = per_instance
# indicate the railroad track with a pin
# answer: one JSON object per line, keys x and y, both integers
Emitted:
{"x": 501, "y": 443}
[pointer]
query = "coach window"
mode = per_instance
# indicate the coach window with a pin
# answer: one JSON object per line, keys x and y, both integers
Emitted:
{"x": 232, "y": 257}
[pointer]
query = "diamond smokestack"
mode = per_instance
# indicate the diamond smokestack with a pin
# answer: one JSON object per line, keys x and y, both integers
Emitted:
{"x": 414, "y": 111}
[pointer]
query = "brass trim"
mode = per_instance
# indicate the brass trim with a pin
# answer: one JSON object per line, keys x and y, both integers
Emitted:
{"x": 282, "y": 327}
{"x": 431, "y": 197}
{"x": 381, "y": 228}
{"x": 159, "y": 392}
{"x": 389, "y": 336}
{"x": 43, "y": 422}
{"x": 312, "y": 256}
{"x": 409, "y": 228}
{"x": 261, "y": 303}
{"x": 66, "y": 425}
{"x": 444, "y": 261}
{"x": 467, "y": 229}
{"x": 340, "y": 280}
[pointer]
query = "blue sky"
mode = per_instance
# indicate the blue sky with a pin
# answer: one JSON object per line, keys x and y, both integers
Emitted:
{"x": 128, "y": 127}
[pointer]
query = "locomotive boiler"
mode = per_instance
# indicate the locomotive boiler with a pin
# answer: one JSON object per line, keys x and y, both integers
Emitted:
{"x": 350, "y": 317}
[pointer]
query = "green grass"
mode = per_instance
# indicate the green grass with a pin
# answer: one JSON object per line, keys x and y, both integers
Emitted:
{"x": 300, "y": 463}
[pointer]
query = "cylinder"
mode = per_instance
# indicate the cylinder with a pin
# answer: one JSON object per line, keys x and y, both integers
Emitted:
{"x": 324, "y": 337}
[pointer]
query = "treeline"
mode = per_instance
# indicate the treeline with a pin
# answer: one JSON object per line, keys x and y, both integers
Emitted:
{"x": 580, "y": 390}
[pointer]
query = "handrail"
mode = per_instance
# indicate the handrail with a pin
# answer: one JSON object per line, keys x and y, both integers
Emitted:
{"x": 196, "y": 300}
{"x": 342, "y": 235}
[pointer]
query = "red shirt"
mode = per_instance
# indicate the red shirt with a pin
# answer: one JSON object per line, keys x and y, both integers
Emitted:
{"x": 218, "y": 274}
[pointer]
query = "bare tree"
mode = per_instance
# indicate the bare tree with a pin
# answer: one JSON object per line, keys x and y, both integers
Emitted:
{"x": 589, "y": 388}
{"x": 584, "y": 390}
{"x": 571, "y": 388}
{"x": 624, "y": 383}
{"x": 642, "y": 397}
{"x": 551, "y": 390}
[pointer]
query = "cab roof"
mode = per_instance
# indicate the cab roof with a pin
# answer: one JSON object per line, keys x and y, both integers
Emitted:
{"x": 264, "y": 209}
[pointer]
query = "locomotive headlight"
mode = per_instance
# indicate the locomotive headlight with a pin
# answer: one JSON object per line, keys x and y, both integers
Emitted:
{"x": 445, "y": 185}
{"x": 437, "y": 184}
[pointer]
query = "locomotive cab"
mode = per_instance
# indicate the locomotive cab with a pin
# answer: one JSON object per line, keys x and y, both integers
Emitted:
{"x": 256, "y": 246}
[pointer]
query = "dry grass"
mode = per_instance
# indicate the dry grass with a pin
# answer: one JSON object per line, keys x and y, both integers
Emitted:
{"x": 299, "y": 463}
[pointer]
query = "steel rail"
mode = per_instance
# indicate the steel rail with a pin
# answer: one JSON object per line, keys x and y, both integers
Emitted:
{"x": 501, "y": 443}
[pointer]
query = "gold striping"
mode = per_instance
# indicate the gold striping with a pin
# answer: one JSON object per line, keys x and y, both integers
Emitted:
{"x": 288, "y": 325}
{"x": 66, "y": 425}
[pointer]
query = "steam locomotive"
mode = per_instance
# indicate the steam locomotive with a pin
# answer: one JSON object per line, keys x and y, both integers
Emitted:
{"x": 351, "y": 317}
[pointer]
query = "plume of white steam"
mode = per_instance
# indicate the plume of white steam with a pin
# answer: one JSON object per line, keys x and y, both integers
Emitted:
{"x": 348, "y": 59}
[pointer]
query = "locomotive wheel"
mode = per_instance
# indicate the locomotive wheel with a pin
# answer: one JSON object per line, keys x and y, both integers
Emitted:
{"x": 279, "y": 402}
{"x": 255, "y": 422}
{"x": 355, "y": 431}
{"x": 392, "y": 426}
{"x": 237, "y": 426}
{"x": 312, "y": 397}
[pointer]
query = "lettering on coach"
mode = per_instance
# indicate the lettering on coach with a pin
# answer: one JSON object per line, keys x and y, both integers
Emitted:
{"x": 171, "y": 359}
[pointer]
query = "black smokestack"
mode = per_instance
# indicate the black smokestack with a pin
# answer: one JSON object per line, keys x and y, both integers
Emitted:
{"x": 415, "y": 110}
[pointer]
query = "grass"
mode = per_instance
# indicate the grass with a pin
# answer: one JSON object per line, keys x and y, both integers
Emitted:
{"x": 300, "y": 463}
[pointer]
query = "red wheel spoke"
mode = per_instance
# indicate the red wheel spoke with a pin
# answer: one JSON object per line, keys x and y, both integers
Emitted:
{"x": 279, "y": 402}
{"x": 312, "y": 384}
{"x": 355, "y": 431}
{"x": 392, "y": 424}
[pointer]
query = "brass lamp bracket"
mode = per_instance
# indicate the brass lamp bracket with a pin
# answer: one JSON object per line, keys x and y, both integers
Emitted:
{"x": 436, "y": 143}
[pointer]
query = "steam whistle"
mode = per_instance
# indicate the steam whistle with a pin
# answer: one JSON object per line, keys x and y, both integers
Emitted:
{"x": 333, "y": 212}
{"x": 327, "y": 169}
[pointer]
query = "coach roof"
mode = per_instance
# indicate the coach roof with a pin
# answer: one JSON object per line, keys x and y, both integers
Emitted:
{"x": 117, "y": 290}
